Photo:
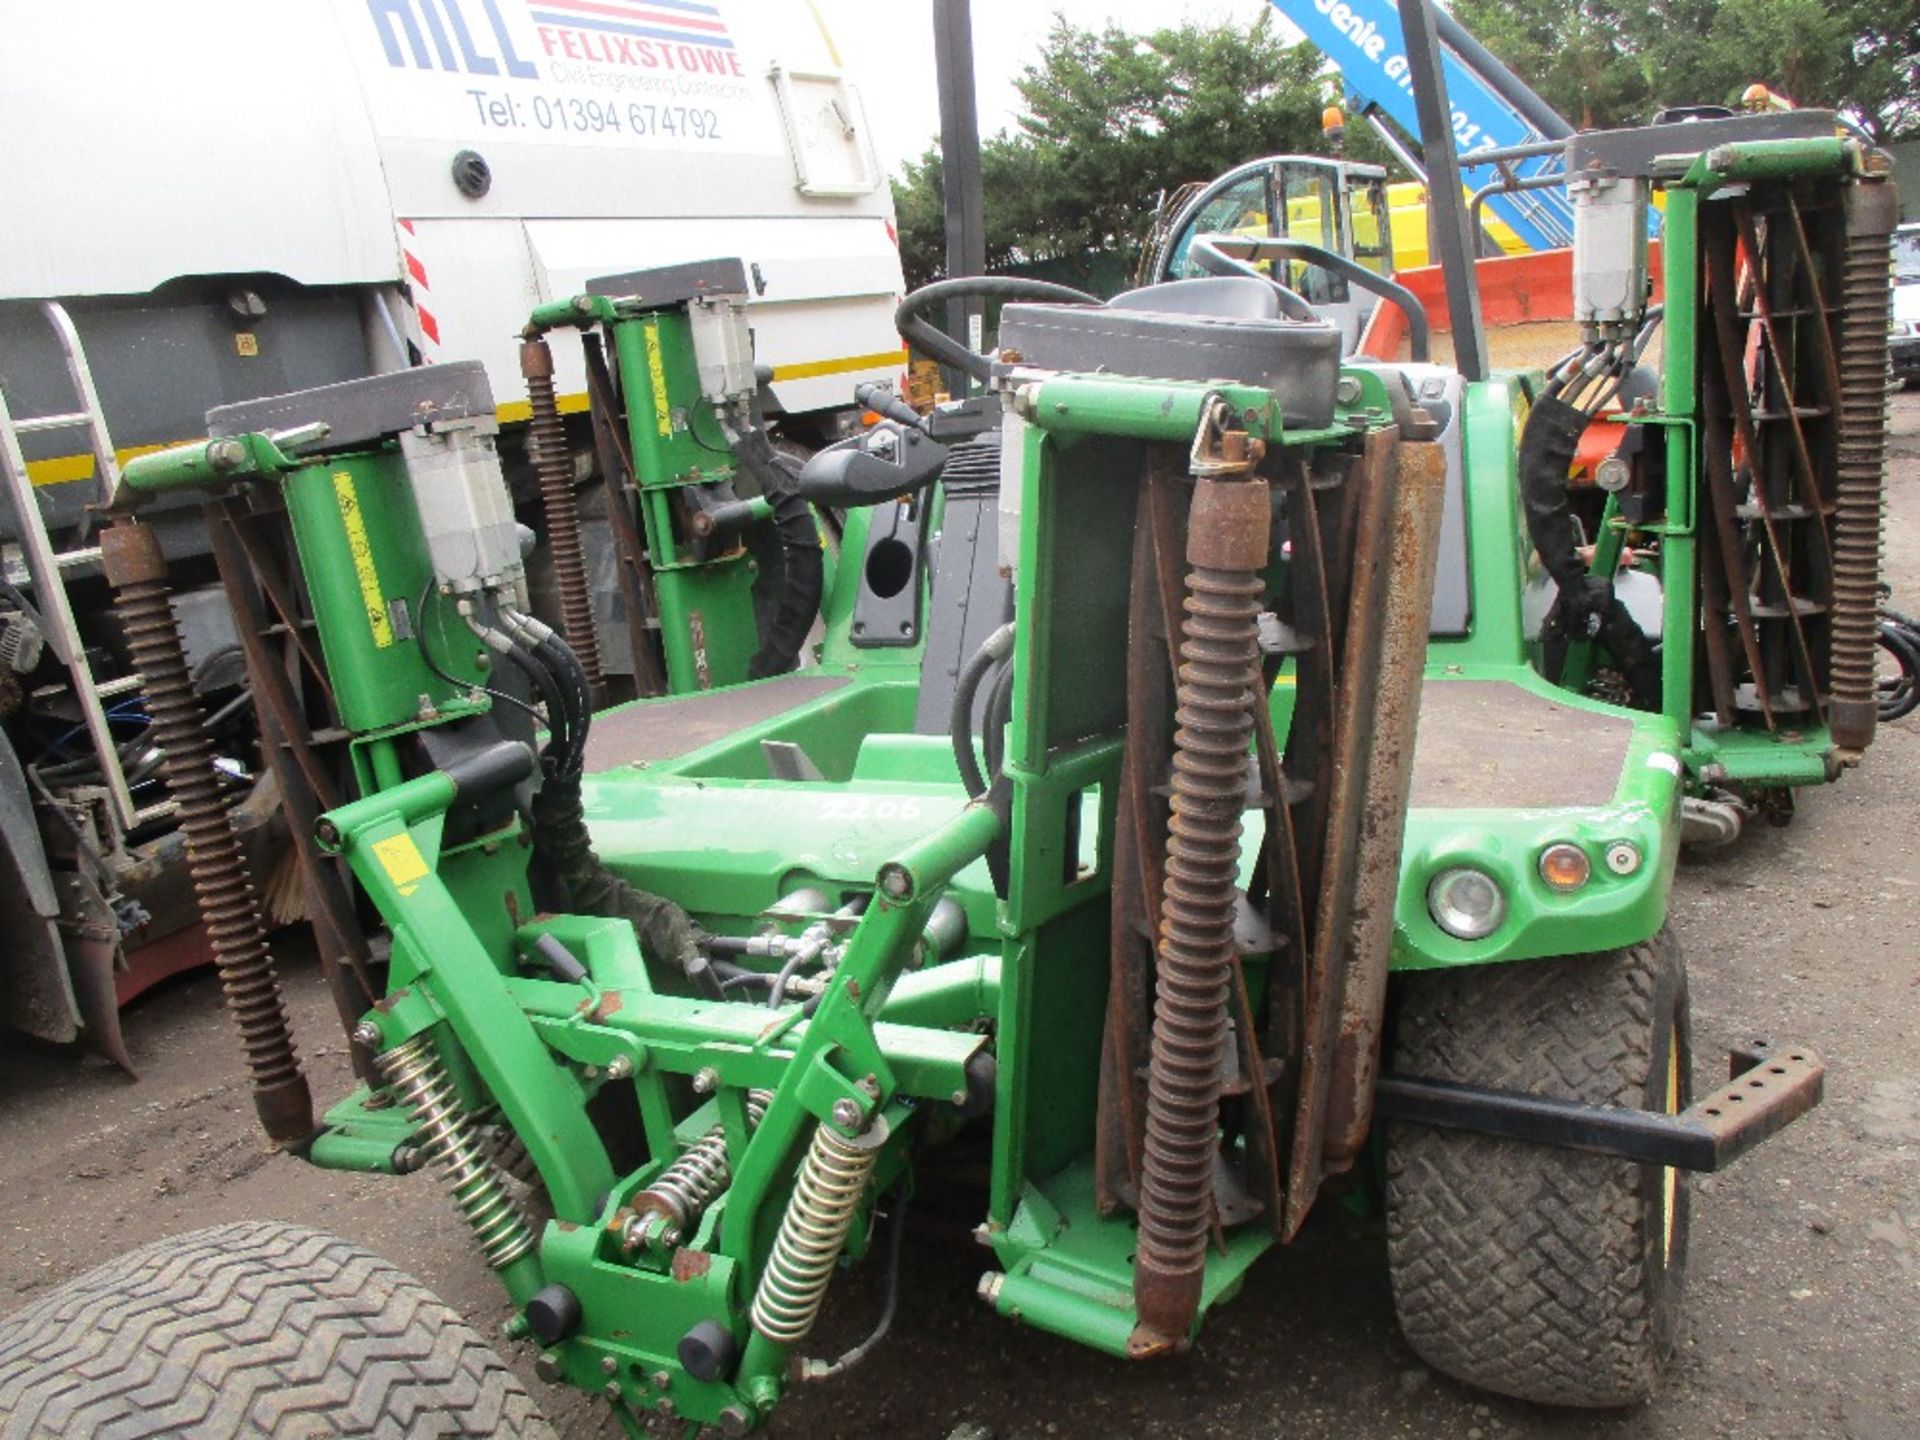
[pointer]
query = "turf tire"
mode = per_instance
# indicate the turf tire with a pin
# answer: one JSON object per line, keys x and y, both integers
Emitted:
{"x": 1542, "y": 1273}
{"x": 254, "y": 1330}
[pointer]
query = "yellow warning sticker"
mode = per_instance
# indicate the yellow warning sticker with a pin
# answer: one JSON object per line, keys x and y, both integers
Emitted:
{"x": 402, "y": 860}
{"x": 657, "y": 373}
{"x": 362, "y": 551}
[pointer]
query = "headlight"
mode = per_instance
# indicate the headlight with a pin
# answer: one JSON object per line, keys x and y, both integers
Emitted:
{"x": 1565, "y": 867}
{"x": 1466, "y": 903}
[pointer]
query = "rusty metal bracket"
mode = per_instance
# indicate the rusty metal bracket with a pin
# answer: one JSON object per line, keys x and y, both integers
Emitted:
{"x": 1760, "y": 1101}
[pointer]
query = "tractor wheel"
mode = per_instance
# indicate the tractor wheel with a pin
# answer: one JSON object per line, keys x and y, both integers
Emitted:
{"x": 253, "y": 1330}
{"x": 1546, "y": 1274}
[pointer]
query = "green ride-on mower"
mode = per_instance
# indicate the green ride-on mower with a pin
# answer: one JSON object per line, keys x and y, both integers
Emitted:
{"x": 1176, "y": 804}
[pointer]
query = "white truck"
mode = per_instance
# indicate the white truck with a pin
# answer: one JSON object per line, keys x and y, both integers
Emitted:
{"x": 214, "y": 200}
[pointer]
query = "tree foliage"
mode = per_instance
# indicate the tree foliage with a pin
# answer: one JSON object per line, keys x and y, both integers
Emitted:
{"x": 1111, "y": 120}
{"x": 1603, "y": 64}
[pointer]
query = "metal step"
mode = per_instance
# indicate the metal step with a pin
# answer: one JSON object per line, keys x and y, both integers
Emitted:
{"x": 40, "y": 424}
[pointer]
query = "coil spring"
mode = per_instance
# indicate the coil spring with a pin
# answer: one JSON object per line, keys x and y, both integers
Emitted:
{"x": 547, "y": 440}
{"x": 833, "y": 1176}
{"x": 1219, "y": 671}
{"x": 226, "y": 897}
{"x": 415, "y": 1069}
{"x": 1860, "y": 491}
{"x": 680, "y": 1194}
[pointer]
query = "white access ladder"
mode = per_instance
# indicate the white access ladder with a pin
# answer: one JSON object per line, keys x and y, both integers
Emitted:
{"x": 50, "y": 608}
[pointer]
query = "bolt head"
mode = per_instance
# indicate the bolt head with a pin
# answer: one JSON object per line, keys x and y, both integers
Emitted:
{"x": 368, "y": 1034}
{"x": 896, "y": 881}
{"x": 846, "y": 1114}
{"x": 609, "y": 1365}
{"x": 663, "y": 1406}
{"x": 548, "y": 1369}
{"x": 706, "y": 1080}
{"x": 735, "y": 1422}
{"x": 611, "y": 1390}
{"x": 661, "y": 1379}
{"x": 990, "y": 1284}
{"x": 620, "y": 1067}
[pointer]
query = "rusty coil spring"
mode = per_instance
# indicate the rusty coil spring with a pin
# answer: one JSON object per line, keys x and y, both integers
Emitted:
{"x": 1219, "y": 671}
{"x": 826, "y": 1194}
{"x": 1860, "y": 491}
{"x": 228, "y": 905}
{"x": 443, "y": 1131}
{"x": 680, "y": 1194}
{"x": 553, "y": 463}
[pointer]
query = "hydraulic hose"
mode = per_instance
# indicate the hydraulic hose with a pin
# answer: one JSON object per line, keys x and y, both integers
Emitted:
{"x": 803, "y": 570}
{"x": 921, "y": 334}
{"x": 1589, "y": 609}
{"x": 555, "y": 757}
{"x": 786, "y": 633}
{"x": 560, "y": 826}
{"x": 996, "y": 647}
{"x": 993, "y": 742}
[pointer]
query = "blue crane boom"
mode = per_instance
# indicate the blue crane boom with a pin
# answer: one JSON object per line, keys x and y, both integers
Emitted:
{"x": 1492, "y": 109}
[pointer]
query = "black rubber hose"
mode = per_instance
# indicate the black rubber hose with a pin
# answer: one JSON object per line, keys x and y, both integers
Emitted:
{"x": 560, "y": 837}
{"x": 1547, "y": 445}
{"x": 1588, "y": 609}
{"x": 805, "y": 580}
{"x": 994, "y": 722}
{"x": 960, "y": 716}
{"x": 1898, "y": 701}
{"x": 576, "y": 697}
{"x": 1628, "y": 644}
{"x": 917, "y": 332}
{"x": 553, "y": 758}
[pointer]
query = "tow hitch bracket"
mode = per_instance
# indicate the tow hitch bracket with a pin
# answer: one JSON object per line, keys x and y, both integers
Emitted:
{"x": 1769, "y": 1090}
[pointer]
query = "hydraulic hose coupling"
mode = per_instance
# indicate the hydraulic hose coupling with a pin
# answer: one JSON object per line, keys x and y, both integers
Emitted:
{"x": 137, "y": 571}
{"x": 1227, "y": 548}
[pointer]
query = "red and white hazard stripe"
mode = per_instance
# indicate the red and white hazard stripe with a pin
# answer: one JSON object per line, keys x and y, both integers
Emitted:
{"x": 423, "y": 328}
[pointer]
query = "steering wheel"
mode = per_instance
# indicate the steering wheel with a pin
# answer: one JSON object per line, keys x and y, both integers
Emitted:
{"x": 1216, "y": 254}
{"x": 910, "y": 318}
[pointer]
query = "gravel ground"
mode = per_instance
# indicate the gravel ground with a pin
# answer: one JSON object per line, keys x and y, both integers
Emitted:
{"x": 1804, "y": 1277}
